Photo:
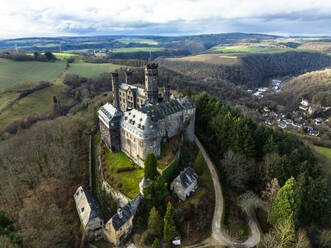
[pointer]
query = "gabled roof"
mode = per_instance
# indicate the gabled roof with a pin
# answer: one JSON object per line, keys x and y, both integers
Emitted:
{"x": 139, "y": 124}
{"x": 121, "y": 217}
{"x": 139, "y": 90}
{"x": 86, "y": 202}
{"x": 186, "y": 177}
{"x": 108, "y": 112}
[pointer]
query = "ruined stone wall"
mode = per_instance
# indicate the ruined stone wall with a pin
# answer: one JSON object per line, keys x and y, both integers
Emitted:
{"x": 119, "y": 197}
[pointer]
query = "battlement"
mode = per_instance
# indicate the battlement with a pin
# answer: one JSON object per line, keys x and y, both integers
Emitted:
{"x": 151, "y": 66}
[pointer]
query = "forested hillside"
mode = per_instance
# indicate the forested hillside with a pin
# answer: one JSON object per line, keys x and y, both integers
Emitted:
{"x": 252, "y": 70}
{"x": 314, "y": 86}
{"x": 281, "y": 171}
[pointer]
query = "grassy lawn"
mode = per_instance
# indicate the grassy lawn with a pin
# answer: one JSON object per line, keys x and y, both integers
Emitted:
{"x": 129, "y": 179}
{"x": 324, "y": 151}
{"x": 140, "y": 41}
{"x": 91, "y": 70}
{"x": 14, "y": 72}
{"x": 137, "y": 49}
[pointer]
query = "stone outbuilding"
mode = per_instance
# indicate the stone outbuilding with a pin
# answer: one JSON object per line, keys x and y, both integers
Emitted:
{"x": 89, "y": 214}
{"x": 185, "y": 183}
{"x": 120, "y": 225}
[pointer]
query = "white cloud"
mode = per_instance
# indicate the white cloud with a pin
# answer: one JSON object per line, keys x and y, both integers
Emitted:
{"x": 20, "y": 18}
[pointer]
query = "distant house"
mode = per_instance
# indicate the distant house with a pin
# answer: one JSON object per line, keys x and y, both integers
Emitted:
{"x": 318, "y": 121}
{"x": 282, "y": 124}
{"x": 304, "y": 102}
{"x": 288, "y": 121}
{"x": 266, "y": 109}
{"x": 269, "y": 122}
{"x": 120, "y": 225}
{"x": 89, "y": 214}
{"x": 313, "y": 108}
{"x": 185, "y": 183}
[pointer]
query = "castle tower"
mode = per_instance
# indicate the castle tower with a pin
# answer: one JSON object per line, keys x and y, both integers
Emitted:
{"x": 115, "y": 85}
{"x": 128, "y": 77}
{"x": 151, "y": 82}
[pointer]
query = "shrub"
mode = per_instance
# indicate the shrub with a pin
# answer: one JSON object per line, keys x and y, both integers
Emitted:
{"x": 123, "y": 169}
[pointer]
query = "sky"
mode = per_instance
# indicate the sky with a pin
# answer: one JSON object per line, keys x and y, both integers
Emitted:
{"x": 22, "y": 18}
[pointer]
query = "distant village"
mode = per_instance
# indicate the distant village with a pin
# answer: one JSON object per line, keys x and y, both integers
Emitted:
{"x": 297, "y": 120}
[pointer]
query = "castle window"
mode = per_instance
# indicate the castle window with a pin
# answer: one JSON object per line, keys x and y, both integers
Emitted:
{"x": 82, "y": 210}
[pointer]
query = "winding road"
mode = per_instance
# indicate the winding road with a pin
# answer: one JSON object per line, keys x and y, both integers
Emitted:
{"x": 220, "y": 237}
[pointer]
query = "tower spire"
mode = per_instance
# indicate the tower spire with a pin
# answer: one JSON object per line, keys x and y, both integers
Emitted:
{"x": 150, "y": 57}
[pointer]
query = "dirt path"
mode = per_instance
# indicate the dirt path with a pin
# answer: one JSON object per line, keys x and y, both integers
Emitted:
{"x": 217, "y": 233}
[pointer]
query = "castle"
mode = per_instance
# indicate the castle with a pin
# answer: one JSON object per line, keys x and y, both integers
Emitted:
{"x": 140, "y": 118}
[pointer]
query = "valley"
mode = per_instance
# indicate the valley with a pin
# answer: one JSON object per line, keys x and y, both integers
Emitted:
{"x": 258, "y": 100}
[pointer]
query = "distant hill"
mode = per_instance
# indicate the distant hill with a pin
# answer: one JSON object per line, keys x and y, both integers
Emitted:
{"x": 314, "y": 86}
{"x": 252, "y": 70}
{"x": 194, "y": 43}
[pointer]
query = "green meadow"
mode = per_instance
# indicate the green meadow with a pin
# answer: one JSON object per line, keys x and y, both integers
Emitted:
{"x": 137, "y": 49}
{"x": 139, "y": 41}
{"x": 15, "y": 72}
{"x": 324, "y": 151}
{"x": 18, "y": 75}
{"x": 91, "y": 70}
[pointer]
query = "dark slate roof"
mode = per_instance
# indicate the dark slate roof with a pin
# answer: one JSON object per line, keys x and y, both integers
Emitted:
{"x": 161, "y": 110}
{"x": 119, "y": 220}
{"x": 110, "y": 111}
{"x": 95, "y": 210}
{"x": 187, "y": 177}
{"x": 187, "y": 102}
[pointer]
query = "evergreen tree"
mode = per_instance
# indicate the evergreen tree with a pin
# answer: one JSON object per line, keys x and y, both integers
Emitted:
{"x": 169, "y": 230}
{"x": 316, "y": 200}
{"x": 287, "y": 203}
{"x": 155, "y": 222}
{"x": 50, "y": 56}
{"x": 150, "y": 164}
{"x": 286, "y": 232}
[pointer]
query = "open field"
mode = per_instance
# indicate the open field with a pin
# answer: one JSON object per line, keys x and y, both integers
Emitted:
{"x": 37, "y": 103}
{"x": 140, "y": 41}
{"x": 65, "y": 55}
{"x": 324, "y": 151}
{"x": 137, "y": 49}
{"x": 78, "y": 51}
{"x": 129, "y": 179}
{"x": 251, "y": 49}
{"x": 91, "y": 70}
{"x": 209, "y": 58}
{"x": 14, "y": 72}
{"x": 317, "y": 46}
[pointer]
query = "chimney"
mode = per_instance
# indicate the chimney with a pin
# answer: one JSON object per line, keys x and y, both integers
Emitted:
{"x": 119, "y": 212}
{"x": 128, "y": 77}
